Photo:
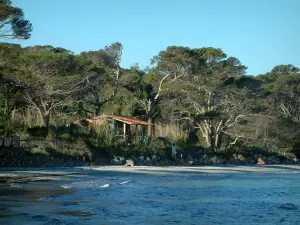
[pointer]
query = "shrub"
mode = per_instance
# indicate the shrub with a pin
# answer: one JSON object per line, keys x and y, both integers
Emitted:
{"x": 156, "y": 146}
{"x": 36, "y": 131}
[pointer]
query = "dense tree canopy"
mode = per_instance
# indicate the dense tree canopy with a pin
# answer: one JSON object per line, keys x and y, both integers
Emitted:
{"x": 200, "y": 90}
{"x": 12, "y": 22}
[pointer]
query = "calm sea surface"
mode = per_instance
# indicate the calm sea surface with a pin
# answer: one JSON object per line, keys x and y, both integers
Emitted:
{"x": 172, "y": 198}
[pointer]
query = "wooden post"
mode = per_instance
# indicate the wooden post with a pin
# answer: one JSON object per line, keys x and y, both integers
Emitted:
{"x": 124, "y": 130}
{"x": 149, "y": 130}
{"x": 136, "y": 134}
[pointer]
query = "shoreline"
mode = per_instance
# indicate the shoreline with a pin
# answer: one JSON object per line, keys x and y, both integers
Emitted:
{"x": 216, "y": 169}
{"x": 26, "y": 176}
{"x": 9, "y": 176}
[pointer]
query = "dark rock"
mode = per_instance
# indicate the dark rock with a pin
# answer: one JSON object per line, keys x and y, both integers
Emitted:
{"x": 214, "y": 159}
{"x": 221, "y": 160}
{"x": 234, "y": 161}
{"x": 249, "y": 161}
{"x": 135, "y": 160}
{"x": 205, "y": 160}
{"x": 141, "y": 158}
{"x": 154, "y": 158}
{"x": 288, "y": 161}
{"x": 273, "y": 160}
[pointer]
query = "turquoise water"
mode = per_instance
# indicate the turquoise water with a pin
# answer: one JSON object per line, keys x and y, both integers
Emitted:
{"x": 173, "y": 198}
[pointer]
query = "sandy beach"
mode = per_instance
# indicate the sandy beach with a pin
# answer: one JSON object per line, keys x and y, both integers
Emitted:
{"x": 202, "y": 169}
{"x": 21, "y": 175}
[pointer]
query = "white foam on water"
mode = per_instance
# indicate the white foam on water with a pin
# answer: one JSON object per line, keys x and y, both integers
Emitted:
{"x": 288, "y": 172}
{"x": 66, "y": 186}
{"x": 88, "y": 184}
{"x": 16, "y": 185}
{"x": 46, "y": 199}
{"x": 125, "y": 182}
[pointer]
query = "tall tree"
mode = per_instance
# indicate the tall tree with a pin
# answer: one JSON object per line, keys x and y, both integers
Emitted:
{"x": 170, "y": 65}
{"x": 104, "y": 82}
{"x": 285, "y": 69}
{"x": 213, "y": 102}
{"x": 10, "y": 91}
{"x": 12, "y": 22}
{"x": 50, "y": 79}
{"x": 283, "y": 87}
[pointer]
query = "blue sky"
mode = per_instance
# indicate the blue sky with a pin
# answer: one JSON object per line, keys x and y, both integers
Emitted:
{"x": 261, "y": 33}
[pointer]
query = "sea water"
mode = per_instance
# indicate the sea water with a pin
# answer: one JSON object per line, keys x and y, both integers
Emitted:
{"x": 170, "y": 198}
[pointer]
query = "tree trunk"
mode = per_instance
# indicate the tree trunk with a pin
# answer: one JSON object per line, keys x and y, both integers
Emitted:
{"x": 150, "y": 127}
{"x": 150, "y": 118}
{"x": 212, "y": 139}
{"x": 46, "y": 120}
{"x": 13, "y": 113}
{"x": 218, "y": 138}
{"x": 208, "y": 140}
{"x": 98, "y": 109}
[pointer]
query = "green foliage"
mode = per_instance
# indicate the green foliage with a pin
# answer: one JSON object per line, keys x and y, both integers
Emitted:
{"x": 284, "y": 69}
{"x": 152, "y": 146}
{"x": 43, "y": 89}
{"x": 39, "y": 132}
{"x": 13, "y": 24}
{"x": 8, "y": 127}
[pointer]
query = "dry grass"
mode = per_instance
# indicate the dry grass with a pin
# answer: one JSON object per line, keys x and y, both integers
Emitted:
{"x": 174, "y": 132}
{"x": 38, "y": 150}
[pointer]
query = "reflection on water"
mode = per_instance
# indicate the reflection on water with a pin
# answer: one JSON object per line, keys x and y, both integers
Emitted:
{"x": 123, "y": 198}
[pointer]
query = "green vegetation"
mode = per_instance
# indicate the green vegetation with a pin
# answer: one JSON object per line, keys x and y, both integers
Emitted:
{"x": 199, "y": 98}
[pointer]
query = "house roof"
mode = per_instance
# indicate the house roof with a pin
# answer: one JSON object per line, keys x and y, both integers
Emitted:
{"x": 127, "y": 120}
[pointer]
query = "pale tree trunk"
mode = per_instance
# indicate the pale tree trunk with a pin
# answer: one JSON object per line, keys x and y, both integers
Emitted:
{"x": 150, "y": 127}
{"x": 44, "y": 116}
{"x": 212, "y": 139}
{"x": 211, "y": 134}
{"x": 151, "y": 103}
{"x": 218, "y": 138}
{"x": 150, "y": 118}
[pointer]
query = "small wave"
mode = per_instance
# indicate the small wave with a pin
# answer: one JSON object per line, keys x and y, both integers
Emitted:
{"x": 39, "y": 218}
{"x": 53, "y": 222}
{"x": 125, "y": 182}
{"x": 87, "y": 184}
{"x": 288, "y": 206}
{"x": 16, "y": 185}
{"x": 66, "y": 186}
{"x": 47, "y": 198}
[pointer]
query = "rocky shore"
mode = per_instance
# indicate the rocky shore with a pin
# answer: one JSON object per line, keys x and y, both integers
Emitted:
{"x": 23, "y": 176}
{"x": 205, "y": 159}
{"x": 17, "y": 158}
